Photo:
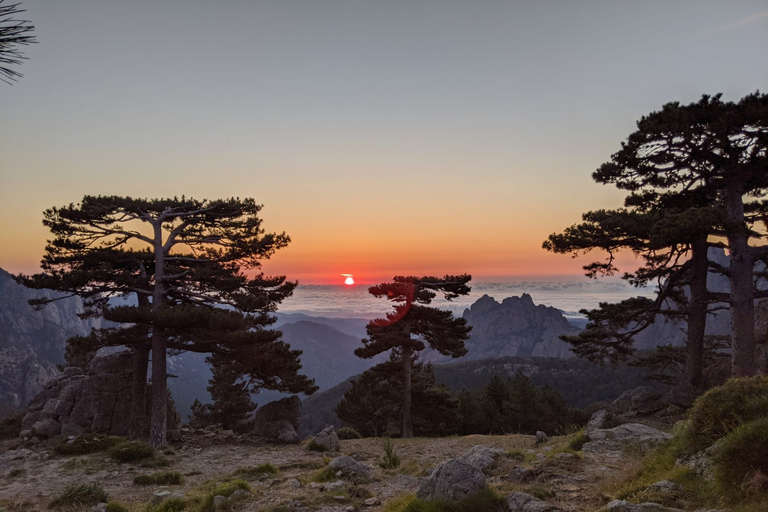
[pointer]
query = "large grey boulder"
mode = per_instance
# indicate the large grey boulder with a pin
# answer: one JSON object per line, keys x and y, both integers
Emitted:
{"x": 278, "y": 420}
{"x": 452, "y": 480}
{"x": 521, "y": 502}
{"x": 352, "y": 469}
{"x": 482, "y": 456}
{"x": 629, "y": 435}
{"x": 96, "y": 400}
{"x": 328, "y": 439}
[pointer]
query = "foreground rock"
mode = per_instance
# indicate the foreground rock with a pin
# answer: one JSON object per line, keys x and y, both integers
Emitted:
{"x": 625, "y": 506}
{"x": 328, "y": 439}
{"x": 452, "y": 480}
{"x": 97, "y": 400}
{"x": 521, "y": 502}
{"x": 352, "y": 469}
{"x": 278, "y": 421}
{"x": 627, "y": 436}
{"x": 482, "y": 457}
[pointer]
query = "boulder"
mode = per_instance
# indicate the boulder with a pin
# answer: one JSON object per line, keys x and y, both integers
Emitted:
{"x": 278, "y": 421}
{"x": 541, "y": 437}
{"x": 327, "y": 438}
{"x": 482, "y": 456}
{"x": 96, "y": 400}
{"x": 452, "y": 480}
{"x": 597, "y": 421}
{"x": 352, "y": 469}
{"x": 521, "y": 502}
{"x": 629, "y": 435}
{"x": 641, "y": 401}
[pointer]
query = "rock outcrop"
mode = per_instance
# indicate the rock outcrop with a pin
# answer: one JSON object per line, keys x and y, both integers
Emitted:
{"x": 452, "y": 480}
{"x": 521, "y": 502}
{"x": 516, "y": 327}
{"x": 348, "y": 467}
{"x": 328, "y": 439}
{"x": 32, "y": 342}
{"x": 482, "y": 457}
{"x": 629, "y": 435}
{"x": 278, "y": 421}
{"x": 97, "y": 400}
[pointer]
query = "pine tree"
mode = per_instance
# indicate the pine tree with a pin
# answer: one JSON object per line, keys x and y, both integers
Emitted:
{"x": 414, "y": 324}
{"x": 230, "y": 394}
{"x": 182, "y": 263}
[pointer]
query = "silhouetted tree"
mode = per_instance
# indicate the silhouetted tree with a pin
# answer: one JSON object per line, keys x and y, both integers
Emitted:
{"x": 414, "y": 324}
{"x": 13, "y": 33}
{"x": 183, "y": 261}
{"x": 230, "y": 394}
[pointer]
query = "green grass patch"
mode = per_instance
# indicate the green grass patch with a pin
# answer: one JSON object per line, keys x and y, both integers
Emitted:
{"x": 80, "y": 495}
{"x": 391, "y": 460}
{"x": 224, "y": 489}
{"x": 169, "y": 505}
{"x": 161, "y": 462}
{"x": 323, "y": 475}
{"x": 253, "y": 472}
{"x": 312, "y": 446}
{"x": 87, "y": 443}
{"x": 132, "y": 451}
{"x": 741, "y": 470}
{"x": 517, "y": 455}
{"x": 486, "y": 501}
{"x": 578, "y": 441}
{"x": 116, "y": 507}
{"x": 162, "y": 478}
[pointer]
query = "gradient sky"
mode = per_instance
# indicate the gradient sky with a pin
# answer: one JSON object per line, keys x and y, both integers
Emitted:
{"x": 384, "y": 136}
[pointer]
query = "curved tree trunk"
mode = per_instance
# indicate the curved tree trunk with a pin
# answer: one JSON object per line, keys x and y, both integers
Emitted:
{"x": 407, "y": 354}
{"x": 697, "y": 313}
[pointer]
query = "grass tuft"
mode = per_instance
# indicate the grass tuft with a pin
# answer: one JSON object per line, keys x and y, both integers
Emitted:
{"x": 391, "y": 459}
{"x": 132, "y": 451}
{"x": 163, "y": 478}
{"x": 253, "y": 472}
{"x": 312, "y": 446}
{"x": 80, "y": 495}
{"x": 578, "y": 441}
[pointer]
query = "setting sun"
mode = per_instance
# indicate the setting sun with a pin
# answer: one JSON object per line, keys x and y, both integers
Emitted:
{"x": 348, "y": 279}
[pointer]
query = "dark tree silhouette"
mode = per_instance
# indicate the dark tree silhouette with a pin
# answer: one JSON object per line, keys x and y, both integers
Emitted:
{"x": 414, "y": 324}
{"x": 13, "y": 33}
{"x": 183, "y": 261}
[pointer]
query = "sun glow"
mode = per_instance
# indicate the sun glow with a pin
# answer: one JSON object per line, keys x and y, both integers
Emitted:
{"x": 348, "y": 280}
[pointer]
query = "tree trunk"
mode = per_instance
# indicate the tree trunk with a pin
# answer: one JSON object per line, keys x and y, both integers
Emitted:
{"x": 159, "y": 423}
{"x": 407, "y": 420}
{"x": 140, "y": 360}
{"x": 697, "y": 312}
{"x": 742, "y": 300}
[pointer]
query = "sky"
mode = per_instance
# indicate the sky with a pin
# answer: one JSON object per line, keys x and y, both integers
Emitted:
{"x": 385, "y": 137}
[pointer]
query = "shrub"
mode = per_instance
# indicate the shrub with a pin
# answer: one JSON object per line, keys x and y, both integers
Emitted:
{"x": 10, "y": 427}
{"x": 742, "y": 461}
{"x": 80, "y": 495}
{"x": 348, "y": 433}
{"x": 262, "y": 469}
{"x": 132, "y": 451}
{"x": 391, "y": 459}
{"x": 312, "y": 446}
{"x": 225, "y": 489}
{"x": 169, "y": 505}
{"x": 116, "y": 507}
{"x": 87, "y": 443}
{"x": 578, "y": 441}
{"x": 724, "y": 408}
{"x": 163, "y": 478}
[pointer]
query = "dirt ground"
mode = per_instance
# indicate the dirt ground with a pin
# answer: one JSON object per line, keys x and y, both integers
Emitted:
{"x": 574, "y": 483}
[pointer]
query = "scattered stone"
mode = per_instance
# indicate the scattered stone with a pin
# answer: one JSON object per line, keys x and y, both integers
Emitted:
{"x": 219, "y": 501}
{"x": 159, "y": 496}
{"x": 340, "y": 497}
{"x": 278, "y": 421}
{"x": 452, "y": 480}
{"x": 541, "y": 437}
{"x": 352, "y": 469}
{"x": 665, "y": 486}
{"x": 327, "y": 438}
{"x": 239, "y": 495}
{"x": 101, "y": 507}
{"x": 482, "y": 456}
{"x": 333, "y": 486}
{"x": 633, "y": 435}
{"x": 521, "y": 502}
{"x": 520, "y": 474}
{"x": 46, "y": 428}
{"x": 566, "y": 456}
{"x": 625, "y": 506}
{"x": 316, "y": 485}
{"x": 294, "y": 484}
{"x": 372, "y": 502}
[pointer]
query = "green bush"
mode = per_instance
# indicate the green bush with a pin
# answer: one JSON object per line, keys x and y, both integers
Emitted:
{"x": 116, "y": 507}
{"x": 80, "y": 495}
{"x": 348, "y": 433}
{"x": 724, "y": 408}
{"x": 10, "y": 427}
{"x": 312, "y": 446}
{"x": 225, "y": 489}
{"x": 578, "y": 441}
{"x": 391, "y": 459}
{"x": 87, "y": 443}
{"x": 169, "y": 505}
{"x": 163, "y": 478}
{"x": 742, "y": 461}
{"x": 132, "y": 451}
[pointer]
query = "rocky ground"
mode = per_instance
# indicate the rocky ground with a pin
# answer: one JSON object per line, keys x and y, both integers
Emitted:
{"x": 29, "y": 480}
